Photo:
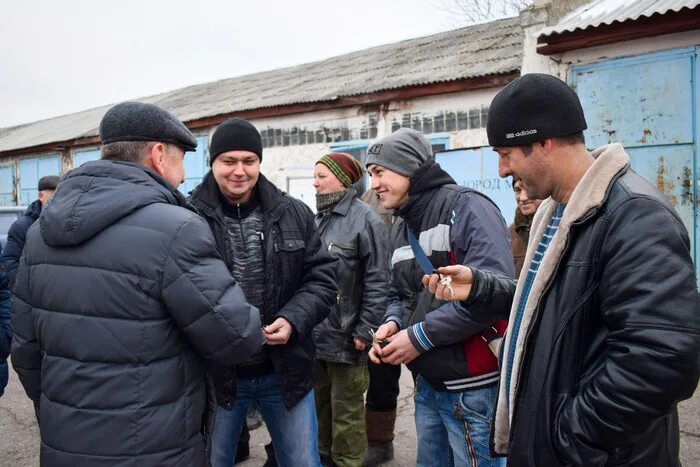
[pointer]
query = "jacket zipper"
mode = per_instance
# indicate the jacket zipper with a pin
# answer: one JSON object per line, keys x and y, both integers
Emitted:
{"x": 240, "y": 225}
{"x": 529, "y": 334}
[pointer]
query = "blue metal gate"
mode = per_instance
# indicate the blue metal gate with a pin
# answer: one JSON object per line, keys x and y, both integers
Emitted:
{"x": 196, "y": 165}
{"x": 649, "y": 104}
{"x": 478, "y": 169}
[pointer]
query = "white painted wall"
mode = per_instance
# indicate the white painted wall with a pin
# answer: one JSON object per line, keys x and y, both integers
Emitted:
{"x": 280, "y": 164}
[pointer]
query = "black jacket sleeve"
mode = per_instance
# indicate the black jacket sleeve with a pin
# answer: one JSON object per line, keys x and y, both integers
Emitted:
{"x": 314, "y": 298}
{"x": 204, "y": 299}
{"x": 491, "y": 296}
{"x": 5, "y": 326}
{"x": 26, "y": 353}
{"x": 649, "y": 303}
{"x": 373, "y": 250}
{"x": 12, "y": 252}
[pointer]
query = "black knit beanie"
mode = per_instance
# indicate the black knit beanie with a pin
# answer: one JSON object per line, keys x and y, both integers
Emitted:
{"x": 235, "y": 134}
{"x": 533, "y": 108}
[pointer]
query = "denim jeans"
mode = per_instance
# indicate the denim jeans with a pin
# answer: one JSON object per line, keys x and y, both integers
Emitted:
{"x": 453, "y": 428}
{"x": 294, "y": 432}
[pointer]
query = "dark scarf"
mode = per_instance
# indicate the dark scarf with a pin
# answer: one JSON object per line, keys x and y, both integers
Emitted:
{"x": 328, "y": 201}
{"x": 423, "y": 184}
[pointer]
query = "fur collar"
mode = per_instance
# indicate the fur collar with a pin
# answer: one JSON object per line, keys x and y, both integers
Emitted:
{"x": 590, "y": 193}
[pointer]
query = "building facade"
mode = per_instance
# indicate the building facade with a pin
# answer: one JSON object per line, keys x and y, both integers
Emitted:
{"x": 440, "y": 85}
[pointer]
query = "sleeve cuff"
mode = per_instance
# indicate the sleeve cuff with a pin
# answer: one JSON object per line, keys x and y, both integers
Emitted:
{"x": 396, "y": 320}
{"x": 418, "y": 338}
{"x": 474, "y": 292}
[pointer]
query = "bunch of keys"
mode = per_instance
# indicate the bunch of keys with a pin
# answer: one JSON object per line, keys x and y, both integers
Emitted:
{"x": 382, "y": 342}
{"x": 446, "y": 281}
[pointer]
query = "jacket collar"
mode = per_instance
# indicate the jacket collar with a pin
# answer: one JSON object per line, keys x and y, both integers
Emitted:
{"x": 343, "y": 206}
{"x": 594, "y": 188}
{"x": 206, "y": 196}
{"x": 429, "y": 178}
{"x": 33, "y": 210}
{"x": 589, "y": 195}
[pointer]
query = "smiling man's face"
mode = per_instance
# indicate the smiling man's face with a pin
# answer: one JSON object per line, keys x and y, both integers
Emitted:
{"x": 391, "y": 187}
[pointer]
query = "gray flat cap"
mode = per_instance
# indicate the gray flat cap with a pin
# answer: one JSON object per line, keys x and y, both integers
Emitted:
{"x": 136, "y": 121}
{"x": 402, "y": 152}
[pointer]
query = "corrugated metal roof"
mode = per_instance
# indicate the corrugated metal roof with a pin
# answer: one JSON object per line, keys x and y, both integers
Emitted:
{"x": 601, "y": 12}
{"x": 470, "y": 52}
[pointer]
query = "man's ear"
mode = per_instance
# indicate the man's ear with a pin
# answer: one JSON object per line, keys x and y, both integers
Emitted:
{"x": 547, "y": 145}
{"x": 155, "y": 157}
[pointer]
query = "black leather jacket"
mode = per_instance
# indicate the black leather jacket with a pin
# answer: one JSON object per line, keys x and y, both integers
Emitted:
{"x": 615, "y": 342}
{"x": 301, "y": 283}
{"x": 357, "y": 236}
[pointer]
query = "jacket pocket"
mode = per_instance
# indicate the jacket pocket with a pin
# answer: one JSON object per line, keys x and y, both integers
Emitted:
{"x": 341, "y": 248}
{"x": 292, "y": 245}
{"x": 475, "y": 409}
{"x": 291, "y": 254}
{"x": 560, "y": 401}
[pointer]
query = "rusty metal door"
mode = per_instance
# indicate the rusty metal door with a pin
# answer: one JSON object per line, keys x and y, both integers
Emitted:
{"x": 649, "y": 104}
{"x": 477, "y": 168}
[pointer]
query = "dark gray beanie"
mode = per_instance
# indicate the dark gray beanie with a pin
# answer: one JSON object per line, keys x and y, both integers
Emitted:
{"x": 533, "y": 108}
{"x": 136, "y": 121}
{"x": 402, "y": 152}
{"x": 48, "y": 182}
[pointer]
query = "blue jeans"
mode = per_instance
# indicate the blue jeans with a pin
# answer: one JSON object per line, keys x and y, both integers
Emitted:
{"x": 453, "y": 428}
{"x": 294, "y": 432}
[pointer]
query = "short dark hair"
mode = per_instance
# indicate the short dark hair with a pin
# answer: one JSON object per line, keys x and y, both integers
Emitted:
{"x": 566, "y": 140}
{"x": 125, "y": 151}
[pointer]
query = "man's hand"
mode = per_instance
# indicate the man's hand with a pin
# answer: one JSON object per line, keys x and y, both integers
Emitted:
{"x": 359, "y": 345}
{"x": 279, "y": 332}
{"x": 399, "y": 350}
{"x": 384, "y": 332}
{"x": 461, "y": 284}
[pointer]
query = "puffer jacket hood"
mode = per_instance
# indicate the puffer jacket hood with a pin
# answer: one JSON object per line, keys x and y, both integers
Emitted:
{"x": 116, "y": 189}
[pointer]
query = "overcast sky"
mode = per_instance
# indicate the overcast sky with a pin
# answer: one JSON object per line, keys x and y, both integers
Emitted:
{"x": 59, "y": 57}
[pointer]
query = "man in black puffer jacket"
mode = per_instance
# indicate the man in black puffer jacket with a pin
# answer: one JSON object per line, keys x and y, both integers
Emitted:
{"x": 604, "y": 331}
{"x": 120, "y": 299}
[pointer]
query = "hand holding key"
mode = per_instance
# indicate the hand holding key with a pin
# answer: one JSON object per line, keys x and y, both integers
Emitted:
{"x": 450, "y": 282}
{"x": 379, "y": 340}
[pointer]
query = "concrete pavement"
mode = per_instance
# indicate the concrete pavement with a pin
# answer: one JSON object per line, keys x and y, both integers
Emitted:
{"x": 19, "y": 435}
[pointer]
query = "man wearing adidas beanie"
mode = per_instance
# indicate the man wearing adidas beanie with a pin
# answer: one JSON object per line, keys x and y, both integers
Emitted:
{"x": 270, "y": 243}
{"x": 456, "y": 373}
{"x": 604, "y": 331}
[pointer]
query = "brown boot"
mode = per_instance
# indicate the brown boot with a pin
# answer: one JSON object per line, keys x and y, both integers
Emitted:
{"x": 380, "y": 437}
